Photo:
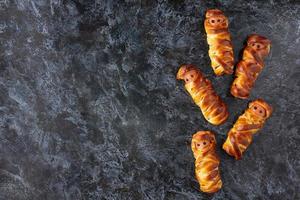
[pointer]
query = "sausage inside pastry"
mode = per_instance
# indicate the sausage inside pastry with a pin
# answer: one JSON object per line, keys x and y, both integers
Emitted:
{"x": 240, "y": 135}
{"x": 207, "y": 162}
{"x": 252, "y": 63}
{"x": 218, "y": 39}
{"x": 203, "y": 94}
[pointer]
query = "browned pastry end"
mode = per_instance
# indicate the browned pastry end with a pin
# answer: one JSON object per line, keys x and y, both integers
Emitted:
{"x": 240, "y": 135}
{"x": 252, "y": 63}
{"x": 218, "y": 39}
{"x": 206, "y": 161}
{"x": 203, "y": 94}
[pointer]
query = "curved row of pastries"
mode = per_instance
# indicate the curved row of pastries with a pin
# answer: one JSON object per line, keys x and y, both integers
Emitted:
{"x": 213, "y": 108}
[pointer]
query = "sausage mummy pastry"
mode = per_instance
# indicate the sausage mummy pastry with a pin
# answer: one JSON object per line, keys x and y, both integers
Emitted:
{"x": 250, "y": 66}
{"x": 203, "y": 94}
{"x": 218, "y": 39}
{"x": 206, "y": 161}
{"x": 240, "y": 135}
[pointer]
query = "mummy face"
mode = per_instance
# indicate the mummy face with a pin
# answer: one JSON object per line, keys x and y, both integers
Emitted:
{"x": 215, "y": 19}
{"x": 203, "y": 142}
{"x": 258, "y": 110}
{"x": 259, "y": 44}
{"x": 204, "y": 145}
{"x": 188, "y": 73}
{"x": 217, "y": 22}
{"x": 190, "y": 76}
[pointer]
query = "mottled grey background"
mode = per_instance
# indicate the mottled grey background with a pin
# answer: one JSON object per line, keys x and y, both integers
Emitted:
{"x": 90, "y": 108}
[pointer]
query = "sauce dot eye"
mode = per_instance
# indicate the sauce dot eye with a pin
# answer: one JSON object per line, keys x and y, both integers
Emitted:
{"x": 198, "y": 145}
{"x": 212, "y": 21}
{"x": 187, "y": 79}
{"x": 204, "y": 143}
{"x": 258, "y": 46}
{"x": 253, "y": 44}
{"x": 255, "y": 107}
{"x": 192, "y": 76}
{"x": 218, "y": 20}
{"x": 260, "y": 111}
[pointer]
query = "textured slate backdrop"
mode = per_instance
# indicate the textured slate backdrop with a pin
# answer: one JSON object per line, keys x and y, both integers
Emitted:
{"x": 90, "y": 108}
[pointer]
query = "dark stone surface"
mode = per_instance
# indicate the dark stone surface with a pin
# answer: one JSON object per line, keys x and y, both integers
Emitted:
{"x": 90, "y": 108}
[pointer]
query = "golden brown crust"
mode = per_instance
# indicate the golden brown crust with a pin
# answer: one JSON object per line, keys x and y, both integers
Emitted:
{"x": 207, "y": 162}
{"x": 248, "y": 69}
{"x": 218, "y": 39}
{"x": 203, "y": 94}
{"x": 240, "y": 135}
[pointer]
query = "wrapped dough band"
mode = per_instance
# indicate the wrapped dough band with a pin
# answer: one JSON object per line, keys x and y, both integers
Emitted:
{"x": 240, "y": 135}
{"x": 218, "y": 39}
{"x": 203, "y": 94}
{"x": 207, "y": 162}
{"x": 248, "y": 69}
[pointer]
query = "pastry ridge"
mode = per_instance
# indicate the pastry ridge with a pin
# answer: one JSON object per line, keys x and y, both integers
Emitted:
{"x": 241, "y": 134}
{"x": 201, "y": 90}
{"x": 219, "y": 41}
{"x": 207, "y": 162}
{"x": 251, "y": 65}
